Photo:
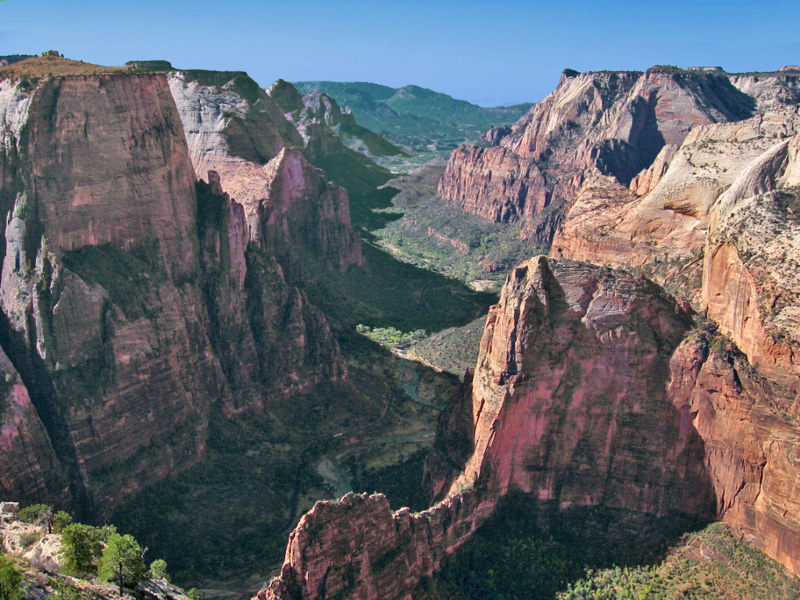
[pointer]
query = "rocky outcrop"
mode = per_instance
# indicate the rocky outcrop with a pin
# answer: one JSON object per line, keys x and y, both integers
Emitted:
{"x": 357, "y": 548}
{"x": 320, "y": 108}
{"x": 134, "y": 304}
{"x": 750, "y": 275}
{"x": 569, "y": 398}
{"x": 289, "y": 204}
{"x": 30, "y": 466}
{"x": 333, "y": 141}
{"x": 750, "y": 443}
{"x": 662, "y": 226}
{"x": 614, "y": 122}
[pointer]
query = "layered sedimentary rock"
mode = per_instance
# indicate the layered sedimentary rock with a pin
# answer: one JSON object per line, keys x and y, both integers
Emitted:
{"x": 750, "y": 442}
{"x": 357, "y": 548}
{"x": 614, "y": 122}
{"x": 332, "y": 140}
{"x": 569, "y": 398}
{"x": 132, "y": 305}
{"x": 750, "y": 277}
{"x": 661, "y": 224}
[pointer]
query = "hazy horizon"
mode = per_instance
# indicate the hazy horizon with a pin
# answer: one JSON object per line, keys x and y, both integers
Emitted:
{"x": 508, "y": 52}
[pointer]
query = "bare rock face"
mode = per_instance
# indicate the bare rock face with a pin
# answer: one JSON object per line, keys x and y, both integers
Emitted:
{"x": 750, "y": 443}
{"x": 663, "y": 225}
{"x": 357, "y": 548}
{"x": 569, "y": 398}
{"x": 99, "y": 243}
{"x": 281, "y": 192}
{"x": 132, "y": 303}
{"x": 614, "y": 122}
{"x": 30, "y": 464}
{"x": 750, "y": 276}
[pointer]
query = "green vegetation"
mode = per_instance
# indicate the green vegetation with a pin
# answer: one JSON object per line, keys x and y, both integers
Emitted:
{"x": 81, "y": 547}
{"x": 60, "y": 520}
{"x": 158, "y": 570}
{"x": 400, "y": 482}
{"x": 390, "y": 337}
{"x": 122, "y": 562}
{"x": 36, "y": 514}
{"x": 389, "y": 293}
{"x": 710, "y": 563}
{"x": 150, "y": 65}
{"x": 452, "y": 350}
{"x": 11, "y": 580}
{"x": 415, "y": 117}
{"x": 437, "y": 235}
{"x": 533, "y": 552}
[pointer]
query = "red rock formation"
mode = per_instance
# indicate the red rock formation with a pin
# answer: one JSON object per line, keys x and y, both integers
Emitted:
{"x": 750, "y": 445}
{"x": 614, "y": 122}
{"x": 591, "y": 388}
{"x": 357, "y": 548}
{"x": 570, "y": 394}
{"x": 131, "y": 305}
{"x": 289, "y": 204}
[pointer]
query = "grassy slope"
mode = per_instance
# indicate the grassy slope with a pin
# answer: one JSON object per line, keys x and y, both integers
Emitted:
{"x": 415, "y": 117}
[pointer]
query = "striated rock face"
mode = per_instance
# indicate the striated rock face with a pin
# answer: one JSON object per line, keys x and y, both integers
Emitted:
{"x": 132, "y": 303}
{"x": 569, "y": 398}
{"x": 615, "y": 122}
{"x": 333, "y": 141}
{"x": 357, "y": 548}
{"x": 663, "y": 225}
{"x": 30, "y": 466}
{"x": 98, "y": 245}
{"x": 592, "y": 388}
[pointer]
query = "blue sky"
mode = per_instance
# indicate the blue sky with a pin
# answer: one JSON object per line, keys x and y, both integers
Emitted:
{"x": 505, "y": 51}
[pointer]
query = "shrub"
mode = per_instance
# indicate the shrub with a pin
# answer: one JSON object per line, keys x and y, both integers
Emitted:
{"x": 158, "y": 569}
{"x": 60, "y": 520}
{"x": 29, "y": 538}
{"x": 36, "y": 514}
{"x": 10, "y": 580}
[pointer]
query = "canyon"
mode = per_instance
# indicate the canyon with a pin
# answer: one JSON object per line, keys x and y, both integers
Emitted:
{"x": 657, "y": 375}
{"x": 167, "y": 237}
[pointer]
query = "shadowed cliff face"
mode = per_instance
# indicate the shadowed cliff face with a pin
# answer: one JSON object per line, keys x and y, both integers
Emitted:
{"x": 616, "y": 123}
{"x": 132, "y": 305}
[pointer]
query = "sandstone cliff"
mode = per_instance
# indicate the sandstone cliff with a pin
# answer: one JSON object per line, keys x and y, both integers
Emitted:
{"x": 615, "y": 122}
{"x": 132, "y": 305}
{"x": 592, "y": 388}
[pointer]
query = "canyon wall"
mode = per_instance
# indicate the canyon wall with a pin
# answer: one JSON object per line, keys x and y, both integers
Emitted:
{"x": 136, "y": 301}
{"x": 614, "y": 122}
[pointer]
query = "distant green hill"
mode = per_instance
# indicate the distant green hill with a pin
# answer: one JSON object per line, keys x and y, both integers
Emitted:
{"x": 413, "y": 116}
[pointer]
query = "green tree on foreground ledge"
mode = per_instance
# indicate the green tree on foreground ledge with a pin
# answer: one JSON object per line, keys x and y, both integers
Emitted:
{"x": 123, "y": 561}
{"x": 81, "y": 546}
{"x": 10, "y": 580}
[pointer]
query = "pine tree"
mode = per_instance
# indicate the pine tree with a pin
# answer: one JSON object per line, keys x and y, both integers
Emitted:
{"x": 122, "y": 561}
